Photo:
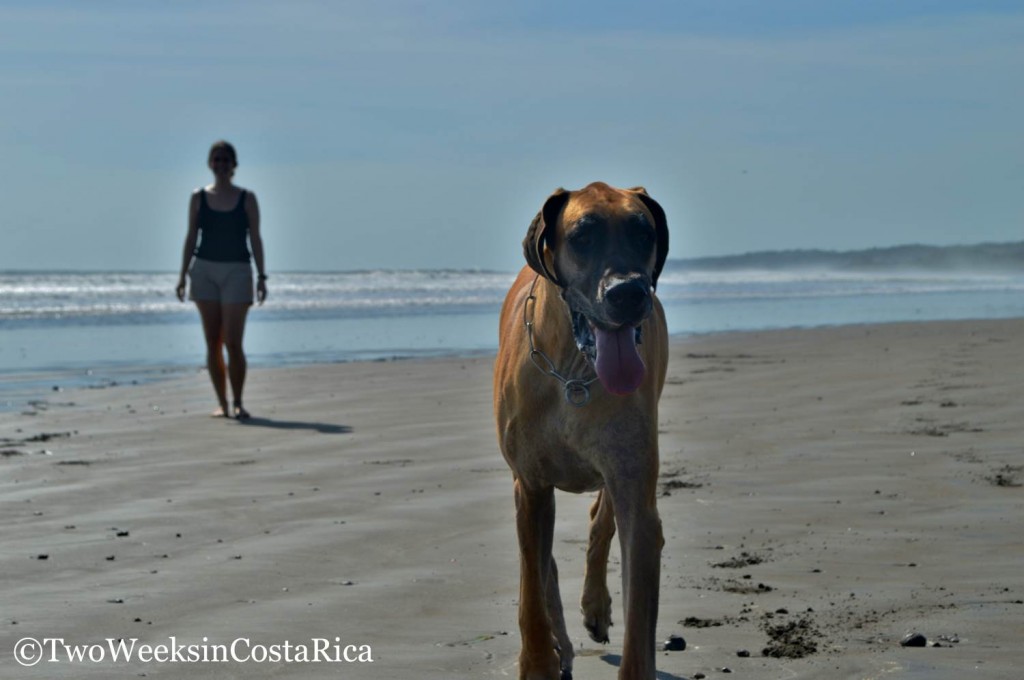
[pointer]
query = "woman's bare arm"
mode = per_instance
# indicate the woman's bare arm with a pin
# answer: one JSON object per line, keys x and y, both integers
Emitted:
{"x": 190, "y": 243}
{"x": 252, "y": 209}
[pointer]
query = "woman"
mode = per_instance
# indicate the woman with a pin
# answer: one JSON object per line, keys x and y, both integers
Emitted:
{"x": 220, "y": 217}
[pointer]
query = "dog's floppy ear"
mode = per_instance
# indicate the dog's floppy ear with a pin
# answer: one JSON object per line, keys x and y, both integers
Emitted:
{"x": 660, "y": 227}
{"x": 540, "y": 232}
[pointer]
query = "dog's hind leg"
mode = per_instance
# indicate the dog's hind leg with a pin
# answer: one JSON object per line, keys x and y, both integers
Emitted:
{"x": 596, "y": 603}
{"x": 535, "y": 523}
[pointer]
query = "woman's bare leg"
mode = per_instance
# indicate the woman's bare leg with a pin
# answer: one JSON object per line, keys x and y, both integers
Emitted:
{"x": 213, "y": 330}
{"x": 234, "y": 316}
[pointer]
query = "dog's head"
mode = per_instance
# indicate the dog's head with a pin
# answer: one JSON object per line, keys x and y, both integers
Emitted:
{"x": 604, "y": 248}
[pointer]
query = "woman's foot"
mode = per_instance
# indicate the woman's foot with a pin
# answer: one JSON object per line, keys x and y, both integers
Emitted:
{"x": 221, "y": 412}
{"x": 240, "y": 412}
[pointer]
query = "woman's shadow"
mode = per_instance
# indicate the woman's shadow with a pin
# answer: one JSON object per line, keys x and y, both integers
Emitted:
{"x": 323, "y": 428}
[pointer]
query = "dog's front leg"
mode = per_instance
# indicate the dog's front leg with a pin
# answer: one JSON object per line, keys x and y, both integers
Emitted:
{"x": 641, "y": 540}
{"x": 535, "y": 524}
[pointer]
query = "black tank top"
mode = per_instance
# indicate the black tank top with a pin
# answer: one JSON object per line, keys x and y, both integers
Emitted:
{"x": 223, "y": 233}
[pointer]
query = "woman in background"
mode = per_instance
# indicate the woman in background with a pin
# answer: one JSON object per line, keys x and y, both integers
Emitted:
{"x": 222, "y": 217}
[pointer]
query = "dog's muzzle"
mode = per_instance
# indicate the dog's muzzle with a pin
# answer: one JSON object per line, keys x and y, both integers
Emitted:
{"x": 625, "y": 300}
{"x": 612, "y": 348}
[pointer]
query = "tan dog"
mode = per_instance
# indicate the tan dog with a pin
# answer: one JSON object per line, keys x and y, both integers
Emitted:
{"x": 586, "y": 306}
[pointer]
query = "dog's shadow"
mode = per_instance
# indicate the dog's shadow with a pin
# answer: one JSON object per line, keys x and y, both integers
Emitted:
{"x": 323, "y": 428}
{"x": 616, "y": 660}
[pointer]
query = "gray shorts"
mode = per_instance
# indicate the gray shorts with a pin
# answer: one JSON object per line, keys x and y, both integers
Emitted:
{"x": 224, "y": 282}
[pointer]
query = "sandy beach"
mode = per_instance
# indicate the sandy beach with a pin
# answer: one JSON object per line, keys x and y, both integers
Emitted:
{"x": 825, "y": 493}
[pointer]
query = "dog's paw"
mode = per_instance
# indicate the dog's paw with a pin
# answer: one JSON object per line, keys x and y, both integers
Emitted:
{"x": 565, "y": 659}
{"x": 546, "y": 667}
{"x": 597, "y": 614}
{"x": 598, "y": 630}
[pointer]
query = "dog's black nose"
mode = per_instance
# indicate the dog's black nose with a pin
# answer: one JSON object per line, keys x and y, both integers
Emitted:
{"x": 628, "y": 300}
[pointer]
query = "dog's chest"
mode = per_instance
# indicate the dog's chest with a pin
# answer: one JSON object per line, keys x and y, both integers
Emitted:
{"x": 575, "y": 475}
{"x": 566, "y": 467}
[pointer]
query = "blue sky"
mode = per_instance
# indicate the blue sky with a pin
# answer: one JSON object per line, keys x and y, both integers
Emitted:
{"x": 427, "y": 134}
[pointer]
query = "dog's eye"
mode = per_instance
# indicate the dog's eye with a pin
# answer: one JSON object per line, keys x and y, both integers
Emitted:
{"x": 580, "y": 240}
{"x": 644, "y": 237}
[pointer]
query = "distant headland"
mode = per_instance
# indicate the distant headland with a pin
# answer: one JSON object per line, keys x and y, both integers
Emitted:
{"x": 982, "y": 257}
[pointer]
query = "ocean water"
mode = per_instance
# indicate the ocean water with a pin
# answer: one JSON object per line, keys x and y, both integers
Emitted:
{"x": 101, "y": 327}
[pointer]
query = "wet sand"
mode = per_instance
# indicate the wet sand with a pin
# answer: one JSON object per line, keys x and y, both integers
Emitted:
{"x": 825, "y": 493}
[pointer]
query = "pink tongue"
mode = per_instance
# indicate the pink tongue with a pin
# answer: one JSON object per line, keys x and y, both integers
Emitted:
{"x": 618, "y": 364}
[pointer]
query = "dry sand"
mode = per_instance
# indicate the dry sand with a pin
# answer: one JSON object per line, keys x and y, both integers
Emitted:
{"x": 847, "y": 485}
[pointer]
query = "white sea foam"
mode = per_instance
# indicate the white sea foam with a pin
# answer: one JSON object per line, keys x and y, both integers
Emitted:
{"x": 114, "y": 297}
{"x": 71, "y": 321}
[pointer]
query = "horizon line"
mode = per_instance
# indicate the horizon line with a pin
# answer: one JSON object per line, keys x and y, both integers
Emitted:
{"x": 484, "y": 270}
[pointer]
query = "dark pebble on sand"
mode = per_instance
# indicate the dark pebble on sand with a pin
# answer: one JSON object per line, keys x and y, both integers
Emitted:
{"x": 743, "y": 654}
{"x": 42, "y": 557}
{"x": 914, "y": 640}
{"x": 674, "y": 643}
{"x": 699, "y": 676}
